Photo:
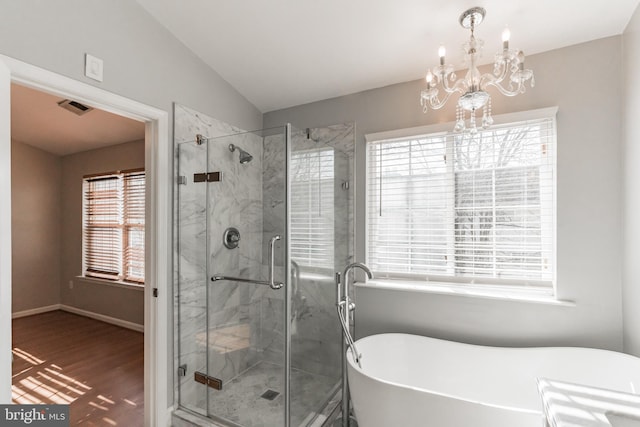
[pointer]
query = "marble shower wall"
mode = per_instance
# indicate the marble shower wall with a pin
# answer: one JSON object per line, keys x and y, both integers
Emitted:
{"x": 236, "y": 202}
{"x": 222, "y": 316}
{"x": 316, "y": 336}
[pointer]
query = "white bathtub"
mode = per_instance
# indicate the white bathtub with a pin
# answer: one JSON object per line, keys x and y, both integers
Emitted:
{"x": 414, "y": 381}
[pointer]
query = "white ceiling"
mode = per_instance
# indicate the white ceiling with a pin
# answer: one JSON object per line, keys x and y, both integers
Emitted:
{"x": 37, "y": 120}
{"x": 281, "y": 53}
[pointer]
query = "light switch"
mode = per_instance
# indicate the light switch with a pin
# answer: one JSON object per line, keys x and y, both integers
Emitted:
{"x": 93, "y": 67}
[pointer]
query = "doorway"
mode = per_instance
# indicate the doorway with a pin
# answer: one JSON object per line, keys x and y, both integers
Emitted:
{"x": 77, "y": 221}
{"x": 157, "y": 235}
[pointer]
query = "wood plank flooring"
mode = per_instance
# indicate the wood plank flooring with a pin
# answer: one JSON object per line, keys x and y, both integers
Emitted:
{"x": 97, "y": 368}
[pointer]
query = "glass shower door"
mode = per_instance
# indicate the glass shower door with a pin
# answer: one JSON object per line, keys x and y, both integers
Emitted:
{"x": 246, "y": 240}
{"x": 321, "y": 233}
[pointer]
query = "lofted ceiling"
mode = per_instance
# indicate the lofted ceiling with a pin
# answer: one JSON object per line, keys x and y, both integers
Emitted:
{"x": 37, "y": 120}
{"x": 282, "y": 53}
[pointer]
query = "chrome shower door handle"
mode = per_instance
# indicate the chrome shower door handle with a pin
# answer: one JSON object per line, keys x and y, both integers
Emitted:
{"x": 271, "y": 282}
{"x": 272, "y": 262}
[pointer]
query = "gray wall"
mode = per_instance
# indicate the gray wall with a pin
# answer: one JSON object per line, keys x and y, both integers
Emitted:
{"x": 142, "y": 60}
{"x": 36, "y": 216}
{"x": 631, "y": 160}
{"x": 114, "y": 301}
{"x": 47, "y": 231}
{"x": 589, "y": 205}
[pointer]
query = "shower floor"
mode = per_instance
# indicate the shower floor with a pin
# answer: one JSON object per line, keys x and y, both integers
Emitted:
{"x": 240, "y": 399}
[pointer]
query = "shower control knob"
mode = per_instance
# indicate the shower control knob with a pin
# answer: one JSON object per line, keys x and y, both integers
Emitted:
{"x": 231, "y": 237}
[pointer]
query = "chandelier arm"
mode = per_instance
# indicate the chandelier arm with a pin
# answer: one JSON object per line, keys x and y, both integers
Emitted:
{"x": 490, "y": 78}
{"x": 443, "y": 76}
{"x": 504, "y": 90}
{"x": 436, "y": 103}
{"x": 428, "y": 98}
{"x": 459, "y": 85}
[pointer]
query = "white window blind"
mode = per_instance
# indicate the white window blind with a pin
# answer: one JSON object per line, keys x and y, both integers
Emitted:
{"x": 464, "y": 208}
{"x": 102, "y": 236}
{"x": 134, "y": 215}
{"x": 312, "y": 207}
{"x": 113, "y": 226}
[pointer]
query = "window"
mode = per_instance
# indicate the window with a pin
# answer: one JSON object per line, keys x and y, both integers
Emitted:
{"x": 113, "y": 226}
{"x": 475, "y": 208}
{"x": 312, "y": 213}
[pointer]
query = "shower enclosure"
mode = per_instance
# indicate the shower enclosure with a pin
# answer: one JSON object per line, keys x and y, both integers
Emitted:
{"x": 263, "y": 221}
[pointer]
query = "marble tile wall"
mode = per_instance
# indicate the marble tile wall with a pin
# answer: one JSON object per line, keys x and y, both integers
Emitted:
{"x": 234, "y": 202}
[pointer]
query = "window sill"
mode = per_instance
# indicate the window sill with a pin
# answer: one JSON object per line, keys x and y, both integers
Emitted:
{"x": 535, "y": 296}
{"x": 125, "y": 285}
{"x": 318, "y": 277}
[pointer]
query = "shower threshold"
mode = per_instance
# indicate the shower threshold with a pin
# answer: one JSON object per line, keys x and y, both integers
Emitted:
{"x": 241, "y": 401}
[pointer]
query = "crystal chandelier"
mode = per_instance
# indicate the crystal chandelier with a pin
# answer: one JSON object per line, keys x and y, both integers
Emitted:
{"x": 508, "y": 68}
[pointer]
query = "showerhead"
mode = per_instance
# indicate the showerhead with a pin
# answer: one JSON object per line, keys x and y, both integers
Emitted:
{"x": 244, "y": 156}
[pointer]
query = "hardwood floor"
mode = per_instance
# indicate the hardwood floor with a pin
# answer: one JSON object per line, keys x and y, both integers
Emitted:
{"x": 97, "y": 368}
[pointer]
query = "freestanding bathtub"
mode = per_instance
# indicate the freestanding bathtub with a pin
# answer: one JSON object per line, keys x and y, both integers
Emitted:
{"x": 414, "y": 381}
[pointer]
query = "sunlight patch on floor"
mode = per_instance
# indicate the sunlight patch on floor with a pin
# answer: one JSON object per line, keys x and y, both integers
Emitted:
{"x": 60, "y": 383}
{"x": 130, "y": 402}
{"x": 69, "y": 379}
{"x": 95, "y": 405}
{"x": 29, "y": 358}
{"x": 46, "y": 385}
{"x": 99, "y": 394}
{"x": 105, "y": 399}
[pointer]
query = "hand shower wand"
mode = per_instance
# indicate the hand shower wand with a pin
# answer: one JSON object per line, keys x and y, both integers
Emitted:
{"x": 344, "y": 307}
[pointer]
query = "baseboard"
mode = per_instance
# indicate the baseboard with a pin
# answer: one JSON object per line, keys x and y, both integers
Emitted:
{"x": 38, "y": 310}
{"x": 103, "y": 318}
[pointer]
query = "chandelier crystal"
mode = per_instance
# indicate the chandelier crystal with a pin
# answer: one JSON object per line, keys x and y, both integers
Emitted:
{"x": 509, "y": 77}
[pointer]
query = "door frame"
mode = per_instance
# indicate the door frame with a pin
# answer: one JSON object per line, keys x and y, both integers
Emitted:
{"x": 158, "y": 165}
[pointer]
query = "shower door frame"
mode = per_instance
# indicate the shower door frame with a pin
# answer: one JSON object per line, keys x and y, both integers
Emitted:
{"x": 287, "y": 287}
